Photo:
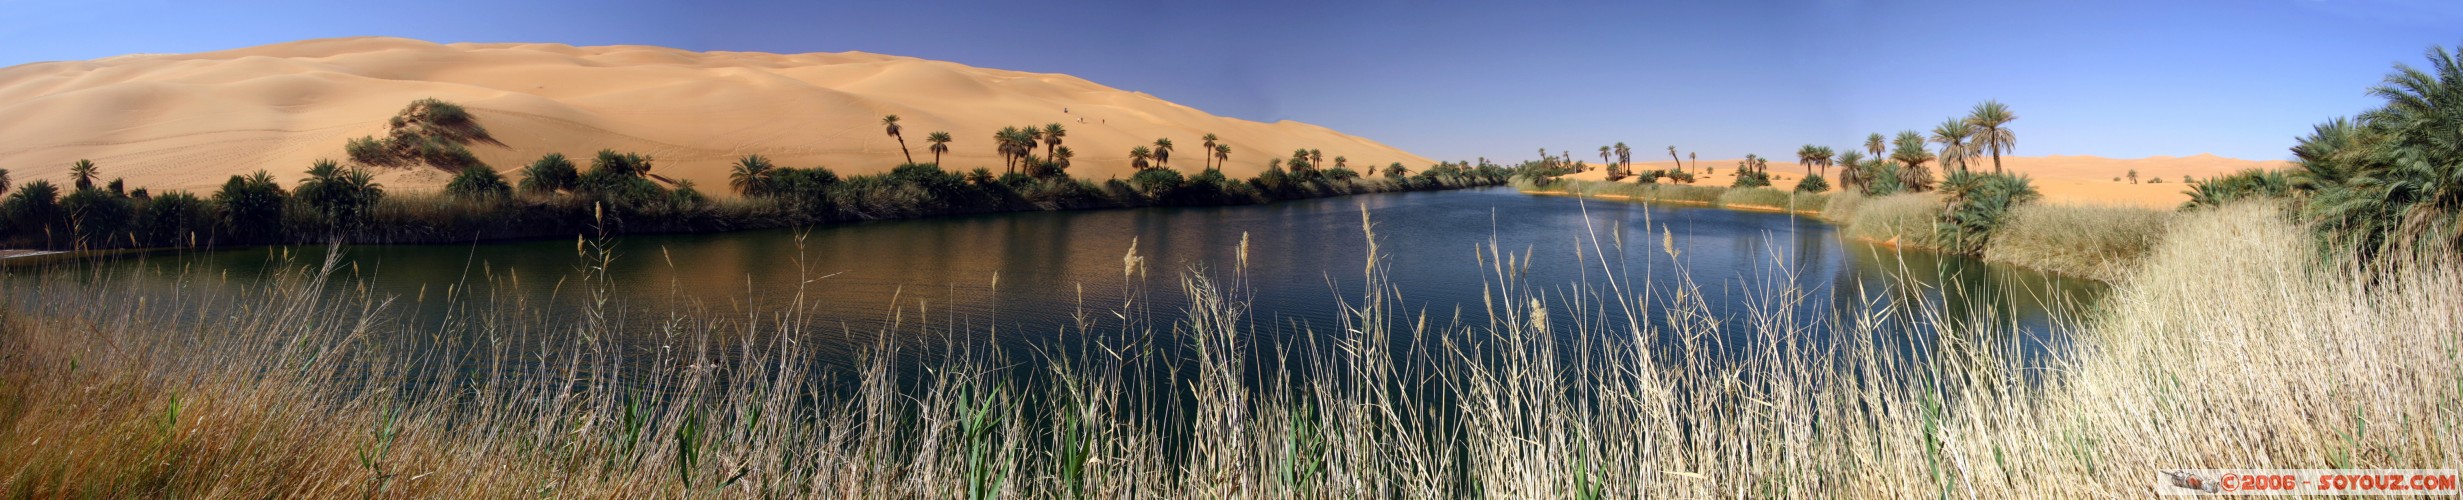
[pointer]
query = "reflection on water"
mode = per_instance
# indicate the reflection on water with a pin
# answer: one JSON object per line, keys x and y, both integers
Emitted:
{"x": 1026, "y": 279}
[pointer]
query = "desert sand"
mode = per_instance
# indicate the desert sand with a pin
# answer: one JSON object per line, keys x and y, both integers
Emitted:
{"x": 190, "y": 121}
{"x": 2062, "y": 179}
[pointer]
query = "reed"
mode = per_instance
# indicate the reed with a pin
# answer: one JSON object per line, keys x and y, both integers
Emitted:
{"x": 2223, "y": 349}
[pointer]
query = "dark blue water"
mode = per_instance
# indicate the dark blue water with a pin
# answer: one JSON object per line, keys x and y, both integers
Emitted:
{"x": 1026, "y": 280}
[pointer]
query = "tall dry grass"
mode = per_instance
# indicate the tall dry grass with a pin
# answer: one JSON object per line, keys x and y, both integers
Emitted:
{"x": 1905, "y": 220}
{"x": 2226, "y": 349}
{"x": 2100, "y": 242}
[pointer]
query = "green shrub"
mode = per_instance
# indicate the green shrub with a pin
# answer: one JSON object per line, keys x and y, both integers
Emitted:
{"x": 2252, "y": 183}
{"x": 478, "y": 183}
{"x": 99, "y": 218}
{"x": 1976, "y": 204}
{"x": 1813, "y": 184}
{"x": 342, "y": 195}
{"x": 1883, "y": 179}
{"x": 34, "y": 211}
{"x": 175, "y": 218}
{"x": 251, "y": 207}
{"x": 550, "y": 174}
{"x": 1750, "y": 179}
{"x": 1157, "y": 184}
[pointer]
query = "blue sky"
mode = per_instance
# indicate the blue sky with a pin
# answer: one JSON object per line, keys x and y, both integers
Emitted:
{"x": 1454, "y": 80}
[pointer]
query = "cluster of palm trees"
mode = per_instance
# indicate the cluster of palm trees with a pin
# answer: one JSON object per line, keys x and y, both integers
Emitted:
{"x": 1017, "y": 145}
{"x": 1619, "y": 159}
{"x": 1957, "y": 142}
{"x": 1815, "y": 156}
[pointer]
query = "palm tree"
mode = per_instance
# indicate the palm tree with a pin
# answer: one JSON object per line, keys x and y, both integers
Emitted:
{"x": 1680, "y": 162}
{"x": 4, "y": 181}
{"x": 1805, "y": 156}
{"x": 1992, "y": 129}
{"x": 1060, "y": 160}
{"x": 1396, "y": 171}
{"x": 940, "y": 145}
{"x": 84, "y": 172}
{"x": 1851, "y": 169}
{"x": 891, "y": 124}
{"x": 1222, "y": 153}
{"x": 1341, "y": 162}
{"x": 1138, "y": 156}
{"x": 1911, "y": 153}
{"x": 1210, "y": 139}
{"x": 1005, "y": 141}
{"x": 1030, "y": 136}
{"x": 752, "y": 175}
{"x": 1624, "y": 156}
{"x": 1606, "y": 153}
{"x": 1163, "y": 152}
{"x": 1873, "y": 144}
{"x": 1695, "y": 156}
{"x": 1051, "y": 138}
{"x": 1953, "y": 135}
{"x": 1316, "y": 157}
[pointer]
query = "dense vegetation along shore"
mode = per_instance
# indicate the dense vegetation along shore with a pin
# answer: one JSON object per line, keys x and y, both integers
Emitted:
{"x": 619, "y": 193}
{"x": 2088, "y": 241}
{"x": 2310, "y": 326}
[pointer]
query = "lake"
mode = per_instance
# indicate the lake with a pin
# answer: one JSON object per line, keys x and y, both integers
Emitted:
{"x": 1026, "y": 280}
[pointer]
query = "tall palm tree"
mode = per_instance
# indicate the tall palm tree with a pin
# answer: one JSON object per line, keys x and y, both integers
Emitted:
{"x": 891, "y": 124}
{"x": 1911, "y": 153}
{"x": 84, "y": 172}
{"x": 1032, "y": 136}
{"x": 1624, "y": 156}
{"x": 1316, "y": 157}
{"x": 752, "y": 175}
{"x": 1060, "y": 160}
{"x": 1953, "y": 135}
{"x": 1163, "y": 152}
{"x": 1051, "y": 138}
{"x": 1874, "y": 144}
{"x": 1606, "y": 154}
{"x": 1222, "y": 153}
{"x": 940, "y": 145}
{"x": 1691, "y": 155}
{"x": 1680, "y": 162}
{"x": 1138, "y": 156}
{"x": 1209, "y": 151}
{"x": 1805, "y": 156}
{"x": 1992, "y": 129}
{"x": 1851, "y": 169}
{"x": 1005, "y": 141}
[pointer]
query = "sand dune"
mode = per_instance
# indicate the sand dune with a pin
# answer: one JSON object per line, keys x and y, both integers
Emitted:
{"x": 189, "y": 121}
{"x": 2063, "y": 179}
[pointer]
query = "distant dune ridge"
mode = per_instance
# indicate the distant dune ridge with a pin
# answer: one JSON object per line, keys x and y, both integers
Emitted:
{"x": 190, "y": 121}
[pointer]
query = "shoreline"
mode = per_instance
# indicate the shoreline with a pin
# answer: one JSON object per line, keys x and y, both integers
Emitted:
{"x": 392, "y": 235}
{"x": 1881, "y": 230}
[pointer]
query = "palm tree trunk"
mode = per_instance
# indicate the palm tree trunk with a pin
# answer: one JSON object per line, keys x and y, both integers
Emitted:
{"x": 1996, "y": 159}
{"x": 902, "y": 148}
